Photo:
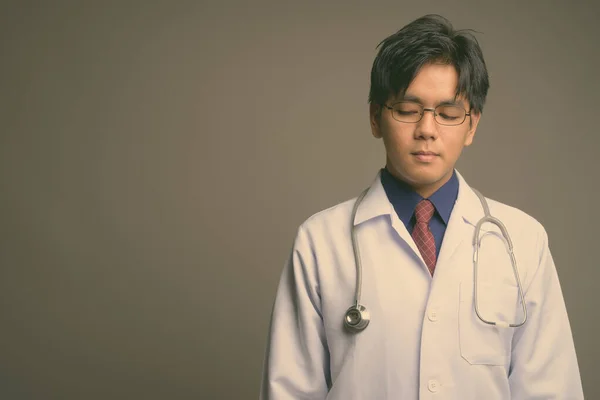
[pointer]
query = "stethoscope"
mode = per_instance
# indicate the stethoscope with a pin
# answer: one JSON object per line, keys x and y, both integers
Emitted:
{"x": 357, "y": 317}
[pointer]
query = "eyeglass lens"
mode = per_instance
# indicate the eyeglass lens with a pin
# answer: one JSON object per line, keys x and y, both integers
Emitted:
{"x": 407, "y": 111}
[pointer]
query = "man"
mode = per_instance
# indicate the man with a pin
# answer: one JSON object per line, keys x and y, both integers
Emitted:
{"x": 441, "y": 325}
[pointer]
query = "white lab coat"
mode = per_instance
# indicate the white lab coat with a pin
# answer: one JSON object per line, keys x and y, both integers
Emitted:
{"x": 424, "y": 340}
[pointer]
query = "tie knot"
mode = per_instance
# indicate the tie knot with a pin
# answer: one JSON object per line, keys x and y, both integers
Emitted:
{"x": 424, "y": 211}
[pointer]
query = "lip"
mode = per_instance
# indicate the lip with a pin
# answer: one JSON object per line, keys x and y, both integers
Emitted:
{"x": 425, "y": 156}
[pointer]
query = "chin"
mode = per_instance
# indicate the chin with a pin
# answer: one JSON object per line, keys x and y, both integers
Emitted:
{"x": 419, "y": 174}
{"x": 424, "y": 176}
{"x": 422, "y": 179}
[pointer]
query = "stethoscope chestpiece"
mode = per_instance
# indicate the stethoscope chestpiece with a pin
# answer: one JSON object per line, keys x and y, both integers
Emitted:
{"x": 357, "y": 318}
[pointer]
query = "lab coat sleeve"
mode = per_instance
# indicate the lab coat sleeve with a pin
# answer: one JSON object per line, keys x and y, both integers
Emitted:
{"x": 543, "y": 362}
{"x": 296, "y": 364}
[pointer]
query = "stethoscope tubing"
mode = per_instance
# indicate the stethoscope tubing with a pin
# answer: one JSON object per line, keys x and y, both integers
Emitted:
{"x": 357, "y": 317}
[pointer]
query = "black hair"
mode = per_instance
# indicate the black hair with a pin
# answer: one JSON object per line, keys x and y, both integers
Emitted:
{"x": 429, "y": 39}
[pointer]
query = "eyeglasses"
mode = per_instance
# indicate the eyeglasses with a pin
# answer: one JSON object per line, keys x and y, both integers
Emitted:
{"x": 444, "y": 114}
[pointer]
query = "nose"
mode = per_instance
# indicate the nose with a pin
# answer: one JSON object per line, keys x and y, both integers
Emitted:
{"x": 427, "y": 127}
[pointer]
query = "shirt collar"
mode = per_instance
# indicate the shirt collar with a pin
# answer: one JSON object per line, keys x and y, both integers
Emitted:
{"x": 404, "y": 199}
{"x": 376, "y": 203}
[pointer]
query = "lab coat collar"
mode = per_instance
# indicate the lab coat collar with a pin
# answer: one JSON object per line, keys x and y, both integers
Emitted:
{"x": 376, "y": 203}
{"x": 465, "y": 215}
{"x": 467, "y": 204}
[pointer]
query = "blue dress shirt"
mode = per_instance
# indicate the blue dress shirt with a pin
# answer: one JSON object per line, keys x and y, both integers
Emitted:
{"x": 405, "y": 200}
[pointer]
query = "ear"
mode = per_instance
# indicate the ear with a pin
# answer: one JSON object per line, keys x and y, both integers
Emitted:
{"x": 375, "y": 119}
{"x": 472, "y": 128}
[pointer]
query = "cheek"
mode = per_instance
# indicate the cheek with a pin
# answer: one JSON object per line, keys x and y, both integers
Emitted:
{"x": 455, "y": 146}
{"x": 397, "y": 137}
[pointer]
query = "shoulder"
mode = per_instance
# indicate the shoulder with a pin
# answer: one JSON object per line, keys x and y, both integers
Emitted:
{"x": 527, "y": 233}
{"x": 329, "y": 222}
{"x": 320, "y": 240}
{"x": 514, "y": 216}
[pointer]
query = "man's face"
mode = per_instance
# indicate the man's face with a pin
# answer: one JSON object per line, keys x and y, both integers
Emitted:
{"x": 433, "y": 85}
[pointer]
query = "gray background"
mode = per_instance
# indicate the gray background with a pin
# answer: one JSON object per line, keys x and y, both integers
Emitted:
{"x": 156, "y": 160}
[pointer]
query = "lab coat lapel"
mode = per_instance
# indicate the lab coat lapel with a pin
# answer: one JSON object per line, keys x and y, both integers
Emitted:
{"x": 376, "y": 203}
{"x": 467, "y": 211}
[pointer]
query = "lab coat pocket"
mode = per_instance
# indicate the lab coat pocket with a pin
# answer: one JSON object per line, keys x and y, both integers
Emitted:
{"x": 481, "y": 343}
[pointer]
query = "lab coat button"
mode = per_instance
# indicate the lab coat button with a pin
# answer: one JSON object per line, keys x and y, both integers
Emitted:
{"x": 433, "y": 386}
{"x": 432, "y": 315}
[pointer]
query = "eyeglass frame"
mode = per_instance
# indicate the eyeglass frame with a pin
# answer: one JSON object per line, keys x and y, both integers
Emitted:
{"x": 467, "y": 113}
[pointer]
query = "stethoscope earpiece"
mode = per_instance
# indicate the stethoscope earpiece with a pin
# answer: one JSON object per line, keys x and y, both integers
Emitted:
{"x": 357, "y": 318}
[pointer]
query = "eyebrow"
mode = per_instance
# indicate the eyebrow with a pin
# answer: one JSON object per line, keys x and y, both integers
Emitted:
{"x": 449, "y": 102}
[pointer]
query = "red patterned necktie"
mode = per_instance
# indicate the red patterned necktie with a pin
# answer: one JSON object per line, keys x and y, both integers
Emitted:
{"x": 422, "y": 235}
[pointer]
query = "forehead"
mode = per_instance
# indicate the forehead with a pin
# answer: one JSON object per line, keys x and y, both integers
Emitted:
{"x": 434, "y": 84}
